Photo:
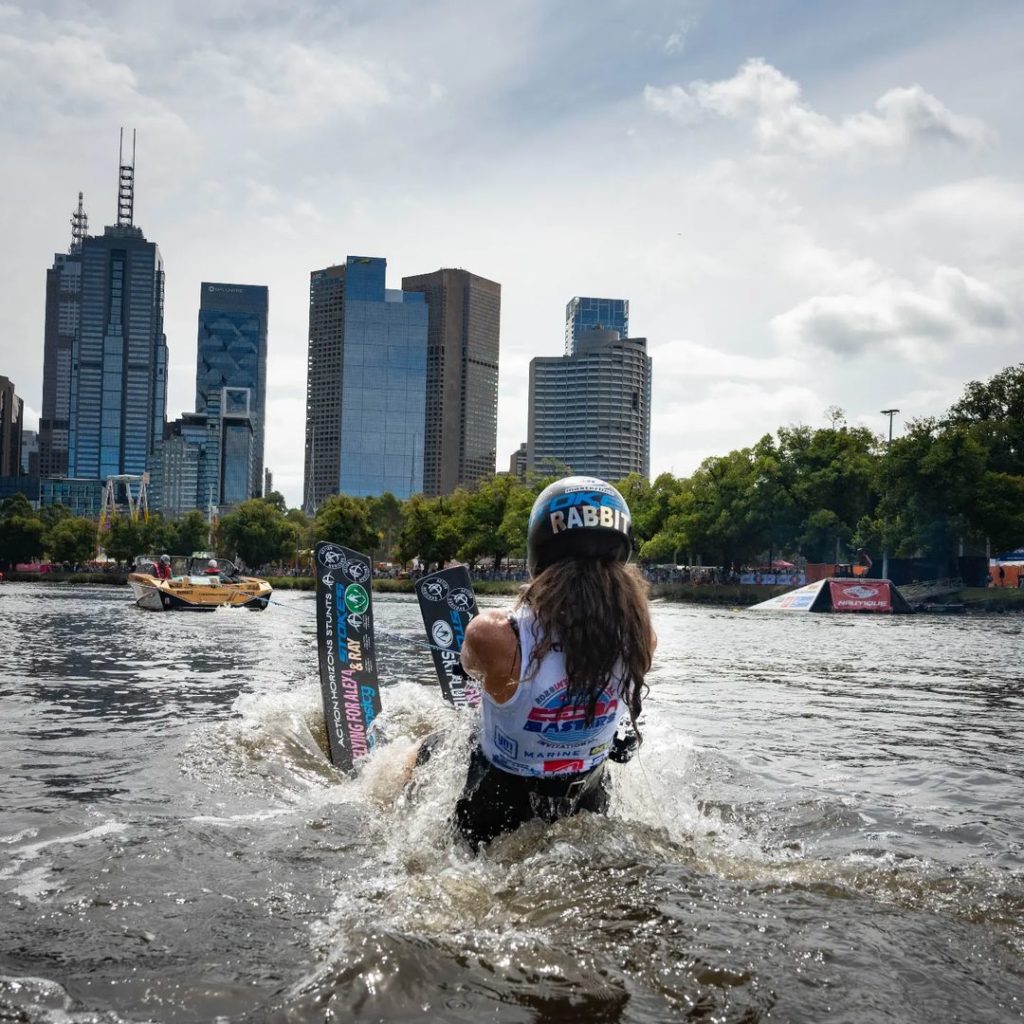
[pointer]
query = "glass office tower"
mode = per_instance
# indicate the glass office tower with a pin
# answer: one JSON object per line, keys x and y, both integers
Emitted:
{"x": 365, "y": 388}
{"x": 63, "y": 288}
{"x": 461, "y": 426}
{"x": 60, "y": 332}
{"x": 231, "y": 358}
{"x": 585, "y": 314}
{"x": 118, "y": 396}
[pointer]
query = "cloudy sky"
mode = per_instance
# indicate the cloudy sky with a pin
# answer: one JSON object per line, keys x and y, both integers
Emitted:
{"x": 806, "y": 204}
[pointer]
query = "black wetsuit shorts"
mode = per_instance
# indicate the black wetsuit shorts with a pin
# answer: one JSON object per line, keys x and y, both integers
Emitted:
{"x": 494, "y": 801}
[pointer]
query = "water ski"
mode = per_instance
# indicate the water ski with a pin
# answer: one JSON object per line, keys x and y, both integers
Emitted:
{"x": 348, "y": 664}
{"x": 447, "y": 604}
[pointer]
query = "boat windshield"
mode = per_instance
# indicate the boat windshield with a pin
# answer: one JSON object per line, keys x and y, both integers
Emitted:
{"x": 201, "y": 567}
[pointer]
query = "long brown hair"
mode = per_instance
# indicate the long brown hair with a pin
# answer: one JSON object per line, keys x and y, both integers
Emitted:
{"x": 597, "y": 612}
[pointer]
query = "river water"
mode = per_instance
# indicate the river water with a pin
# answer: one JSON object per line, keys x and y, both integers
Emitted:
{"x": 824, "y": 824}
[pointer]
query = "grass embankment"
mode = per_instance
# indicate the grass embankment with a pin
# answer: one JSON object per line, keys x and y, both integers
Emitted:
{"x": 732, "y": 595}
{"x": 117, "y": 579}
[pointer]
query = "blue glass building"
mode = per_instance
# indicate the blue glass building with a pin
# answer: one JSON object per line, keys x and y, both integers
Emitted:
{"x": 585, "y": 314}
{"x": 231, "y": 385}
{"x": 118, "y": 396}
{"x": 366, "y": 385}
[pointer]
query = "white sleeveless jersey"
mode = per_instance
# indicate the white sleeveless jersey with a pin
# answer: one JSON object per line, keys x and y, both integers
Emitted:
{"x": 534, "y": 733}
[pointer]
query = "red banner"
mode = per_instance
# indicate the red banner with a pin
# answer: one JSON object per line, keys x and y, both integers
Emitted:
{"x": 858, "y": 596}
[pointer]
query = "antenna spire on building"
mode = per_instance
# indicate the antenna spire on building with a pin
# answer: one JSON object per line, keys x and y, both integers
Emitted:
{"x": 126, "y": 185}
{"x": 79, "y": 226}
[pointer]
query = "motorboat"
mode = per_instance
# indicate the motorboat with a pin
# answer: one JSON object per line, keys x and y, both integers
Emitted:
{"x": 196, "y": 585}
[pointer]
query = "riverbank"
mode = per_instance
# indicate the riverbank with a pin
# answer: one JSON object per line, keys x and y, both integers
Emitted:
{"x": 731, "y": 595}
{"x": 728, "y": 595}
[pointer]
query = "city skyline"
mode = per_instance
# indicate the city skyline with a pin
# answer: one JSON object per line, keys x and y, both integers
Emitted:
{"x": 796, "y": 226}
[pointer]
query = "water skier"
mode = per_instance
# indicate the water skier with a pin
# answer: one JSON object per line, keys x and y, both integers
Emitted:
{"x": 562, "y": 673}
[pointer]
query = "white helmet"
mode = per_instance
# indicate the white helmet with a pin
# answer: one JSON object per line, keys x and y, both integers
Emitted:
{"x": 165, "y": 558}
{"x": 212, "y": 563}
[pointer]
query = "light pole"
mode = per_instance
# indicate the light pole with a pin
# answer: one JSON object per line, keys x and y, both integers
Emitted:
{"x": 885, "y": 540}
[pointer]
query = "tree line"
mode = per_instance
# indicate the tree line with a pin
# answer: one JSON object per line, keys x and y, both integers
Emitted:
{"x": 948, "y": 485}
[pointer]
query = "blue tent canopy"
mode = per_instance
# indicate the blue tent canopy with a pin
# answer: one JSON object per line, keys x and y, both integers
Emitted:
{"x": 1017, "y": 555}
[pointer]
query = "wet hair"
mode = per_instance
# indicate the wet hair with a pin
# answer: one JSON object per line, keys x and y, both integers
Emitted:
{"x": 596, "y": 611}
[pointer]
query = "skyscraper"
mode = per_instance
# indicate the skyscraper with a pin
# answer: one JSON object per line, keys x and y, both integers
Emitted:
{"x": 584, "y": 314}
{"x": 461, "y": 427}
{"x": 63, "y": 291}
{"x": 365, "y": 384}
{"x": 179, "y": 481}
{"x": 11, "y": 422}
{"x": 30, "y": 453}
{"x": 590, "y": 412}
{"x": 118, "y": 396}
{"x": 231, "y": 357}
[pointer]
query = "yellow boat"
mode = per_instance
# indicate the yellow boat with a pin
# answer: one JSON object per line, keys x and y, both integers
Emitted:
{"x": 197, "y": 587}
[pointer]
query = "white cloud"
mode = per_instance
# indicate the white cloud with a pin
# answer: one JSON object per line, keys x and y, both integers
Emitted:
{"x": 762, "y": 94}
{"x": 678, "y": 363}
{"x": 299, "y": 86}
{"x": 696, "y": 421}
{"x": 918, "y": 323}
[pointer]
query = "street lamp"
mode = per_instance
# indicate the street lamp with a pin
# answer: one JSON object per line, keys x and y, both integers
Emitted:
{"x": 885, "y": 540}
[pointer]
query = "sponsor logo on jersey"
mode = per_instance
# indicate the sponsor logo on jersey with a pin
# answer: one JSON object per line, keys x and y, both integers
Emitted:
{"x": 568, "y": 724}
{"x": 505, "y": 743}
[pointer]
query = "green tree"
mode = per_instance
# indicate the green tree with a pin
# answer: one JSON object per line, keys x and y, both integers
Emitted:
{"x": 999, "y": 510}
{"x": 303, "y": 527}
{"x": 257, "y": 532}
{"x": 125, "y": 538}
{"x": 481, "y": 514}
{"x": 159, "y": 535}
{"x": 516, "y": 521}
{"x": 345, "y": 520}
{"x": 385, "y": 515}
{"x": 931, "y": 479}
{"x": 994, "y": 411}
{"x": 72, "y": 540}
{"x": 51, "y": 515}
{"x": 276, "y": 498}
{"x": 192, "y": 533}
{"x": 22, "y": 532}
{"x": 429, "y": 531}
{"x": 831, "y": 478}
